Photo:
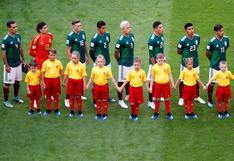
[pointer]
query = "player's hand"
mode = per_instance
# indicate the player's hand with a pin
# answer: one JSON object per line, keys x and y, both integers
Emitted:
{"x": 86, "y": 88}
{"x": 87, "y": 60}
{"x": 64, "y": 85}
{"x": 205, "y": 88}
{"x": 119, "y": 89}
{"x": 43, "y": 85}
{"x": 8, "y": 68}
{"x": 150, "y": 90}
{"x": 173, "y": 88}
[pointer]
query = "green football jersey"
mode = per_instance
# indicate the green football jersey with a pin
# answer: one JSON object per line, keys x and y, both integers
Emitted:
{"x": 12, "y": 47}
{"x": 155, "y": 46}
{"x": 217, "y": 50}
{"x": 100, "y": 45}
{"x": 189, "y": 49}
{"x": 126, "y": 46}
{"x": 77, "y": 43}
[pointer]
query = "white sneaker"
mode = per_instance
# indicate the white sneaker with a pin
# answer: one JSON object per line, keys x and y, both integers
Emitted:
{"x": 66, "y": 103}
{"x": 161, "y": 99}
{"x": 210, "y": 104}
{"x": 181, "y": 102}
{"x": 35, "y": 104}
{"x": 84, "y": 98}
{"x": 126, "y": 97}
{"x": 151, "y": 105}
{"x": 200, "y": 100}
{"x": 122, "y": 104}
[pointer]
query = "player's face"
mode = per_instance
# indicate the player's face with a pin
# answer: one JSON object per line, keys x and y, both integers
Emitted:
{"x": 102, "y": 30}
{"x": 13, "y": 29}
{"x": 220, "y": 33}
{"x": 189, "y": 65}
{"x": 33, "y": 69}
{"x": 44, "y": 30}
{"x": 137, "y": 65}
{"x": 100, "y": 62}
{"x": 127, "y": 29}
{"x": 51, "y": 56}
{"x": 223, "y": 67}
{"x": 74, "y": 59}
{"x": 159, "y": 29}
{"x": 77, "y": 27}
{"x": 189, "y": 31}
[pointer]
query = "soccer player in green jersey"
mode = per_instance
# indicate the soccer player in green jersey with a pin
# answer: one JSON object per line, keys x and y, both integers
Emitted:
{"x": 155, "y": 46}
{"x": 99, "y": 45}
{"x": 188, "y": 48}
{"x": 13, "y": 57}
{"x": 216, "y": 52}
{"x": 76, "y": 41}
{"x": 124, "y": 53}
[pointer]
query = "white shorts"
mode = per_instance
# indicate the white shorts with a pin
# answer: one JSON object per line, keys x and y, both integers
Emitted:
{"x": 84, "y": 64}
{"x": 212, "y": 72}
{"x": 14, "y": 75}
{"x": 109, "y": 65}
{"x": 197, "y": 69}
{"x": 123, "y": 71}
{"x": 149, "y": 72}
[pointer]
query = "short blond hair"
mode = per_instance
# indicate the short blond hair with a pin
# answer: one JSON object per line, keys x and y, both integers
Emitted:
{"x": 101, "y": 57}
{"x": 123, "y": 24}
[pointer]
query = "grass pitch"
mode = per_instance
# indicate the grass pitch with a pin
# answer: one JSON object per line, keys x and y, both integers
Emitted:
{"x": 24, "y": 138}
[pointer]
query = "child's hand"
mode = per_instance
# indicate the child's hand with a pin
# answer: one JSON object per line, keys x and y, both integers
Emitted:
{"x": 173, "y": 88}
{"x": 28, "y": 91}
{"x": 119, "y": 89}
{"x": 43, "y": 85}
{"x": 64, "y": 85}
{"x": 86, "y": 88}
{"x": 150, "y": 90}
{"x": 205, "y": 88}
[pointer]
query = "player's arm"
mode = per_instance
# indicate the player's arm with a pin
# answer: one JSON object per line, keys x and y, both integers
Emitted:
{"x": 64, "y": 80}
{"x": 86, "y": 53}
{"x": 114, "y": 83}
{"x": 84, "y": 82}
{"x": 68, "y": 51}
{"x": 42, "y": 79}
{"x": 92, "y": 50}
{"x": 117, "y": 50}
{"x": 180, "y": 48}
{"x": 200, "y": 82}
{"x": 21, "y": 53}
{"x": 32, "y": 48}
{"x": 177, "y": 82}
{"x": 151, "y": 83}
{"x": 208, "y": 50}
{"x": 7, "y": 66}
{"x": 89, "y": 83}
{"x": 151, "y": 49}
{"x": 124, "y": 84}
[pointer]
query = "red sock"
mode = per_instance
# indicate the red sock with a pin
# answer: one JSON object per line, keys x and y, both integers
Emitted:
{"x": 98, "y": 103}
{"x": 31, "y": 104}
{"x": 71, "y": 103}
{"x": 181, "y": 87}
{"x": 56, "y": 102}
{"x": 191, "y": 106}
{"x": 79, "y": 103}
{"x": 186, "y": 106}
{"x": 225, "y": 104}
{"x": 167, "y": 104}
{"x": 6, "y": 92}
{"x": 157, "y": 104}
{"x": 38, "y": 104}
{"x": 105, "y": 107}
{"x": 197, "y": 90}
{"x": 120, "y": 94}
{"x": 210, "y": 92}
{"x": 133, "y": 108}
{"x": 219, "y": 102}
{"x": 48, "y": 102}
{"x": 136, "y": 109}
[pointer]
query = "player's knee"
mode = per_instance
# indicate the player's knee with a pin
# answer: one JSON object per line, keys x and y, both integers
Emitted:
{"x": 6, "y": 85}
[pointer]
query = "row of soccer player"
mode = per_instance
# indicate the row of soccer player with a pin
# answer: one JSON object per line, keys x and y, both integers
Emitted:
{"x": 74, "y": 78}
{"x": 124, "y": 53}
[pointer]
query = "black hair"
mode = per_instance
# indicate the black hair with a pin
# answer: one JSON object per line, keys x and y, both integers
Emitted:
{"x": 40, "y": 25}
{"x": 218, "y": 27}
{"x": 187, "y": 25}
{"x": 75, "y": 21}
{"x": 156, "y": 24}
{"x": 9, "y": 23}
{"x": 100, "y": 24}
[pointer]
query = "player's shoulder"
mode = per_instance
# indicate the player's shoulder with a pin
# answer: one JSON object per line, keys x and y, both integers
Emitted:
{"x": 184, "y": 38}
{"x": 196, "y": 35}
{"x": 58, "y": 61}
{"x": 95, "y": 35}
{"x": 212, "y": 39}
{"x": 121, "y": 37}
{"x": 50, "y": 35}
{"x": 82, "y": 31}
{"x": 142, "y": 71}
{"x": 5, "y": 37}
{"x": 107, "y": 33}
{"x": 131, "y": 34}
{"x": 225, "y": 37}
{"x": 70, "y": 34}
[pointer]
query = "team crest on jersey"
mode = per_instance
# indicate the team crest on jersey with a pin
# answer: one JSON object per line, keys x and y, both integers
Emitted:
{"x": 11, "y": 42}
{"x": 217, "y": 46}
{"x": 187, "y": 44}
{"x": 76, "y": 40}
{"x": 104, "y": 73}
{"x": 77, "y": 70}
{"x": 127, "y": 42}
{"x": 56, "y": 66}
{"x": 140, "y": 76}
{"x": 100, "y": 41}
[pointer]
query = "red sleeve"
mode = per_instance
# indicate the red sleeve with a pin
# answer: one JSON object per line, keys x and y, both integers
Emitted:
{"x": 51, "y": 37}
{"x": 32, "y": 48}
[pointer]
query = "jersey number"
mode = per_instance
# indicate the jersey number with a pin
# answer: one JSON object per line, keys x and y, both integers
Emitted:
{"x": 222, "y": 49}
{"x": 193, "y": 48}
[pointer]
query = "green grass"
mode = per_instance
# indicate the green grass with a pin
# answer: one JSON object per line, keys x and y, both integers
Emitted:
{"x": 37, "y": 138}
